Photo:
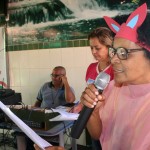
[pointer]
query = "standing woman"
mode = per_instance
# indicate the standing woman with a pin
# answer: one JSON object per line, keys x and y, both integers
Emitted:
{"x": 120, "y": 117}
{"x": 100, "y": 40}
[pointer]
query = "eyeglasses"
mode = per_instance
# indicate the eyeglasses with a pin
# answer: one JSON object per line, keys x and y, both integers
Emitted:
{"x": 56, "y": 75}
{"x": 122, "y": 52}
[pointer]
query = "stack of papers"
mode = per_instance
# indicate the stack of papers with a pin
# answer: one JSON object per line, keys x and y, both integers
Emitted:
{"x": 64, "y": 116}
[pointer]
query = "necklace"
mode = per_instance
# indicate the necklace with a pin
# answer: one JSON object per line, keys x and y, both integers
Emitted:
{"x": 101, "y": 68}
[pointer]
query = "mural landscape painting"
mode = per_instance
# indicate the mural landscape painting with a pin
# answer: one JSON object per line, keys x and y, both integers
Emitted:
{"x": 32, "y": 21}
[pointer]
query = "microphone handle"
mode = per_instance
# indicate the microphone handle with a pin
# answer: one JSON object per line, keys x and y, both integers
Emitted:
{"x": 81, "y": 122}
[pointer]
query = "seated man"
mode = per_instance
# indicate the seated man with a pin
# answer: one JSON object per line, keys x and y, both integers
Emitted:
{"x": 53, "y": 94}
{"x": 57, "y": 92}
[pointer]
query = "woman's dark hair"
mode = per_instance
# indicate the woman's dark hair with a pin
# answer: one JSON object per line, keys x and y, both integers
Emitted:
{"x": 144, "y": 34}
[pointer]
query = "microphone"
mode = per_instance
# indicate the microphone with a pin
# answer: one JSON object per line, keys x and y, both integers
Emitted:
{"x": 100, "y": 83}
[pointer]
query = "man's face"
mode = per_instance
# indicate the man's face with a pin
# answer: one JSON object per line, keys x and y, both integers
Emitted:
{"x": 56, "y": 76}
{"x": 133, "y": 69}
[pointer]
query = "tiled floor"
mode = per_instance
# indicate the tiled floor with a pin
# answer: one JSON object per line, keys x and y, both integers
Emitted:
{"x": 7, "y": 143}
{"x": 7, "y": 148}
{"x": 8, "y": 140}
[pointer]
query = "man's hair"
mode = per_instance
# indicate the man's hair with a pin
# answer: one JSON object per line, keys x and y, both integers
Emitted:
{"x": 60, "y": 67}
{"x": 104, "y": 35}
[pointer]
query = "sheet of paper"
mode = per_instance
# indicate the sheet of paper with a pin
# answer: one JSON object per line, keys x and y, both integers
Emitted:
{"x": 64, "y": 115}
{"x": 26, "y": 129}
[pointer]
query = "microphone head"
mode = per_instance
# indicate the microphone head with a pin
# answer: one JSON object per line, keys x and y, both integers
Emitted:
{"x": 102, "y": 81}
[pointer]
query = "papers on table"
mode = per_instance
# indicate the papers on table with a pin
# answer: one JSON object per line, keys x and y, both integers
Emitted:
{"x": 26, "y": 129}
{"x": 64, "y": 116}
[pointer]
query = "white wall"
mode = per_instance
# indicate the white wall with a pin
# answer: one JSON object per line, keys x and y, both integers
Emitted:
{"x": 29, "y": 69}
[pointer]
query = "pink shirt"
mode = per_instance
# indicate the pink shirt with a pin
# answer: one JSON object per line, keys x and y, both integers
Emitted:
{"x": 92, "y": 71}
{"x": 126, "y": 118}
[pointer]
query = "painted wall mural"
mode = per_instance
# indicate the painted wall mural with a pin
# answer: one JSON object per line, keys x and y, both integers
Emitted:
{"x": 32, "y": 21}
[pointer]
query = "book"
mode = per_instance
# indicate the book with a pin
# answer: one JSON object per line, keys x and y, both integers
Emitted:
{"x": 64, "y": 116}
